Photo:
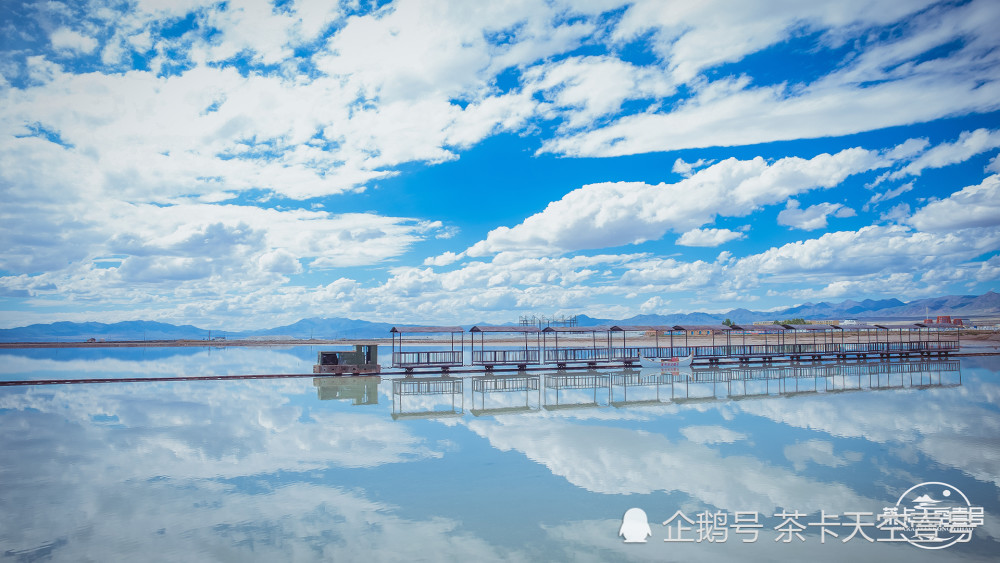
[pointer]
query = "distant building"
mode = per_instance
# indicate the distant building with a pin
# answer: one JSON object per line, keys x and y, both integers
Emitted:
{"x": 944, "y": 320}
{"x": 701, "y": 332}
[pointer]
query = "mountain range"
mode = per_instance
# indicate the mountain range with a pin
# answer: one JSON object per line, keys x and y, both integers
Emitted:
{"x": 962, "y": 306}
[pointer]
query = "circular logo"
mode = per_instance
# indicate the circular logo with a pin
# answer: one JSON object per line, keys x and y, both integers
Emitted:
{"x": 929, "y": 510}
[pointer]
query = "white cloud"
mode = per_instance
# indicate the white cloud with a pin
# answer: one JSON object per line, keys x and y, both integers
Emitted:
{"x": 970, "y": 207}
{"x": 712, "y": 434}
{"x": 708, "y": 237}
{"x": 65, "y": 39}
{"x": 443, "y": 259}
{"x": 887, "y": 195}
{"x": 620, "y": 461}
{"x": 898, "y": 214}
{"x": 871, "y": 249}
{"x": 692, "y": 37}
{"x": 733, "y": 114}
{"x": 887, "y": 84}
{"x": 969, "y": 144}
{"x": 907, "y": 149}
{"x": 686, "y": 169}
{"x": 812, "y": 217}
{"x": 585, "y": 89}
{"x": 994, "y": 165}
{"x": 654, "y": 304}
{"x": 615, "y": 214}
{"x": 815, "y": 451}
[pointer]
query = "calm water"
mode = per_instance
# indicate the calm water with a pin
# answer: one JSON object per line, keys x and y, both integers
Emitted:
{"x": 362, "y": 470}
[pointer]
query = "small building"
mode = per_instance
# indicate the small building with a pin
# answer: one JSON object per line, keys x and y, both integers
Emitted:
{"x": 362, "y": 360}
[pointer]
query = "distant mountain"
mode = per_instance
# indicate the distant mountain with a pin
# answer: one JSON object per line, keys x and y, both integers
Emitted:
{"x": 962, "y": 306}
{"x": 848, "y": 308}
{"x": 127, "y": 330}
{"x": 324, "y": 328}
{"x": 331, "y": 328}
{"x": 954, "y": 305}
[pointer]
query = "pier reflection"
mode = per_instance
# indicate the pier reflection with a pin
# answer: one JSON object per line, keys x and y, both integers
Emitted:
{"x": 501, "y": 394}
{"x": 362, "y": 390}
{"x": 574, "y": 390}
{"x": 510, "y": 386}
{"x": 648, "y": 386}
{"x": 426, "y": 397}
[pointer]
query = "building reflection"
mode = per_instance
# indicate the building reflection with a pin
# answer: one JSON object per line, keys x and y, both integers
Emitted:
{"x": 362, "y": 390}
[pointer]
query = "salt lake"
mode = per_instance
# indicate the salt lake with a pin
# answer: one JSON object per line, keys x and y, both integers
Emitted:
{"x": 762, "y": 464}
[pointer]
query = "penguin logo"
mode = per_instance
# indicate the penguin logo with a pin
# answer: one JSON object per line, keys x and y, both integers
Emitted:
{"x": 635, "y": 526}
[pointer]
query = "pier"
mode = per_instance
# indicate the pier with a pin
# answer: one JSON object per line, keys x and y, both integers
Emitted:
{"x": 609, "y": 346}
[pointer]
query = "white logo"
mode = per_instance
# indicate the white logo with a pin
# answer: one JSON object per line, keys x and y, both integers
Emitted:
{"x": 937, "y": 515}
{"x": 635, "y": 526}
{"x": 930, "y": 515}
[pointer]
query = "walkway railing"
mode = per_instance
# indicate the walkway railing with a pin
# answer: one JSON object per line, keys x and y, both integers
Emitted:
{"x": 594, "y": 355}
{"x": 427, "y": 359}
{"x": 767, "y": 350}
{"x": 576, "y": 355}
{"x": 505, "y": 357}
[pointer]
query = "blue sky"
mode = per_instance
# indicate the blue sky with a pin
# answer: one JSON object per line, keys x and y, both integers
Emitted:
{"x": 246, "y": 164}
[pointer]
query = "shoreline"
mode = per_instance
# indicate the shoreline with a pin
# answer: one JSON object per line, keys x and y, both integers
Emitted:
{"x": 977, "y": 339}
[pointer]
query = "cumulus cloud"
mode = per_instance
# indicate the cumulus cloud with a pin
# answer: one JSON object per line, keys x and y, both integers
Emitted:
{"x": 166, "y": 187}
{"x": 864, "y": 94}
{"x": 65, "y": 39}
{"x": 969, "y": 144}
{"x": 994, "y": 165}
{"x": 653, "y": 305}
{"x": 970, "y": 207}
{"x": 898, "y": 214}
{"x": 687, "y": 168}
{"x": 616, "y": 214}
{"x": 887, "y": 195}
{"x": 443, "y": 259}
{"x": 868, "y": 250}
{"x": 812, "y": 217}
{"x": 584, "y": 89}
{"x": 708, "y": 237}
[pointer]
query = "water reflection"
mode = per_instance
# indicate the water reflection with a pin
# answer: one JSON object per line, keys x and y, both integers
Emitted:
{"x": 574, "y": 389}
{"x": 321, "y": 469}
{"x": 516, "y": 385}
{"x": 566, "y": 390}
{"x": 427, "y": 397}
{"x": 360, "y": 389}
